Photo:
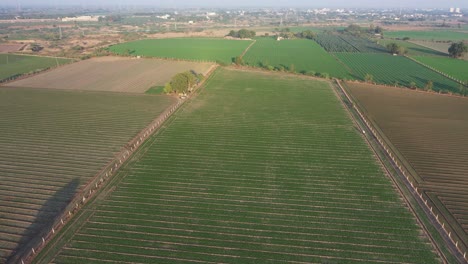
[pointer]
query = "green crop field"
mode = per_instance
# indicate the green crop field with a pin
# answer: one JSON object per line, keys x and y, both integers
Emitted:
{"x": 199, "y": 49}
{"x": 412, "y": 48}
{"x": 13, "y": 65}
{"x": 453, "y": 67}
{"x": 258, "y": 168}
{"x": 428, "y": 35}
{"x": 51, "y": 143}
{"x": 305, "y": 55}
{"x": 388, "y": 69}
{"x": 347, "y": 43}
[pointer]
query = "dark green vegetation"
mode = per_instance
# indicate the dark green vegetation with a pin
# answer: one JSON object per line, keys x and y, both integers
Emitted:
{"x": 453, "y": 67}
{"x": 429, "y": 133}
{"x": 458, "y": 50}
{"x": 395, "y": 70}
{"x": 12, "y": 66}
{"x": 301, "y": 54}
{"x": 442, "y": 35}
{"x": 51, "y": 144}
{"x": 155, "y": 90}
{"x": 256, "y": 168}
{"x": 347, "y": 43}
{"x": 243, "y": 33}
{"x": 198, "y": 49}
{"x": 182, "y": 82}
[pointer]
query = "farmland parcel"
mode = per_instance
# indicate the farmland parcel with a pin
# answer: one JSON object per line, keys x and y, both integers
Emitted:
{"x": 429, "y": 132}
{"x": 13, "y": 65}
{"x": 51, "y": 143}
{"x": 257, "y": 168}
{"x": 305, "y": 55}
{"x": 112, "y": 74}
{"x": 453, "y": 67}
{"x": 201, "y": 49}
{"x": 395, "y": 70}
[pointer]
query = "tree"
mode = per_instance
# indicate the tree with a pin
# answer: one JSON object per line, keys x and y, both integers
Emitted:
{"x": 457, "y": 50}
{"x": 168, "y": 88}
{"x": 378, "y": 30}
{"x": 396, "y": 49}
{"x": 243, "y": 33}
{"x": 429, "y": 86}
{"x": 238, "y": 61}
{"x": 464, "y": 89}
{"x": 412, "y": 85}
{"x": 308, "y": 34}
{"x": 369, "y": 78}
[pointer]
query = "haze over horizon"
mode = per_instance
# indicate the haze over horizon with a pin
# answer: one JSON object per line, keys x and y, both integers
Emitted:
{"x": 249, "y": 3}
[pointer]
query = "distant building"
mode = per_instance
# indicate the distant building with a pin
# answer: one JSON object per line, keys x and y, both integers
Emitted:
{"x": 81, "y": 19}
{"x": 452, "y": 10}
{"x": 457, "y": 10}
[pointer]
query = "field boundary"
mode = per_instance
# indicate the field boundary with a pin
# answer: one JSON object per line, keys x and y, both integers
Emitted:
{"x": 248, "y": 48}
{"x": 450, "y": 237}
{"x": 38, "y": 243}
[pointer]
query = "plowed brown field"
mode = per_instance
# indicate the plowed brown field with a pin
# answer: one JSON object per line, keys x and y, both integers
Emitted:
{"x": 114, "y": 74}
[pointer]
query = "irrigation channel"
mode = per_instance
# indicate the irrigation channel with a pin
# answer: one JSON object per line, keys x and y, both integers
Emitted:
{"x": 92, "y": 188}
{"x": 403, "y": 183}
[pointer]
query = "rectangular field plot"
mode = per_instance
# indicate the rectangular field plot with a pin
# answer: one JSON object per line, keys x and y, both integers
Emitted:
{"x": 347, "y": 43}
{"x": 53, "y": 142}
{"x": 456, "y": 68}
{"x": 432, "y": 35}
{"x": 112, "y": 74}
{"x": 199, "y": 49}
{"x": 12, "y": 65}
{"x": 388, "y": 69}
{"x": 305, "y": 55}
{"x": 430, "y": 132}
{"x": 258, "y": 168}
{"x": 412, "y": 48}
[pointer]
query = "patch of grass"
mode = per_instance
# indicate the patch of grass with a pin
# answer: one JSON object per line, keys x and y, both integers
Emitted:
{"x": 155, "y": 90}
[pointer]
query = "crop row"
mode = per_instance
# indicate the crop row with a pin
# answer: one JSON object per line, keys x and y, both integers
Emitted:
{"x": 347, "y": 43}
{"x": 52, "y": 143}
{"x": 256, "y": 168}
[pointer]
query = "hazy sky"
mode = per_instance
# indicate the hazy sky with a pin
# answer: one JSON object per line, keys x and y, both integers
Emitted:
{"x": 256, "y": 3}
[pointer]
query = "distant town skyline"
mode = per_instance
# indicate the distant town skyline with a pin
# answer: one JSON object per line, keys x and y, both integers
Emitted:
{"x": 249, "y": 3}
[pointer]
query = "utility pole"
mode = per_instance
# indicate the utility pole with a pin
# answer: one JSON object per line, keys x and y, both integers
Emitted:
{"x": 60, "y": 32}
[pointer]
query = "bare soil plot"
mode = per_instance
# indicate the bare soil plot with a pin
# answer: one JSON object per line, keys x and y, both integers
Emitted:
{"x": 51, "y": 144}
{"x": 4, "y": 48}
{"x": 114, "y": 74}
{"x": 430, "y": 133}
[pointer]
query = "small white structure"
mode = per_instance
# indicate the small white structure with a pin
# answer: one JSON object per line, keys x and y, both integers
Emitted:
{"x": 279, "y": 38}
{"x": 81, "y": 19}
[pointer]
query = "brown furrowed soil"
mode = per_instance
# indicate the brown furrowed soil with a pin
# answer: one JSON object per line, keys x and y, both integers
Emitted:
{"x": 429, "y": 132}
{"x": 114, "y": 74}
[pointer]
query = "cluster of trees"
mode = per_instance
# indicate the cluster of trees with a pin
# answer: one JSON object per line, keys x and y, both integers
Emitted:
{"x": 183, "y": 82}
{"x": 287, "y": 34}
{"x": 457, "y": 50}
{"x": 243, "y": 34}
{"x": 396, "y": 49}
{"x": 357, "y": 30}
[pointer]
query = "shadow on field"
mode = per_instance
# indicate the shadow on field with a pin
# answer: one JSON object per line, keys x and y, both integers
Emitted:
{"x": 42, "y": 225}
